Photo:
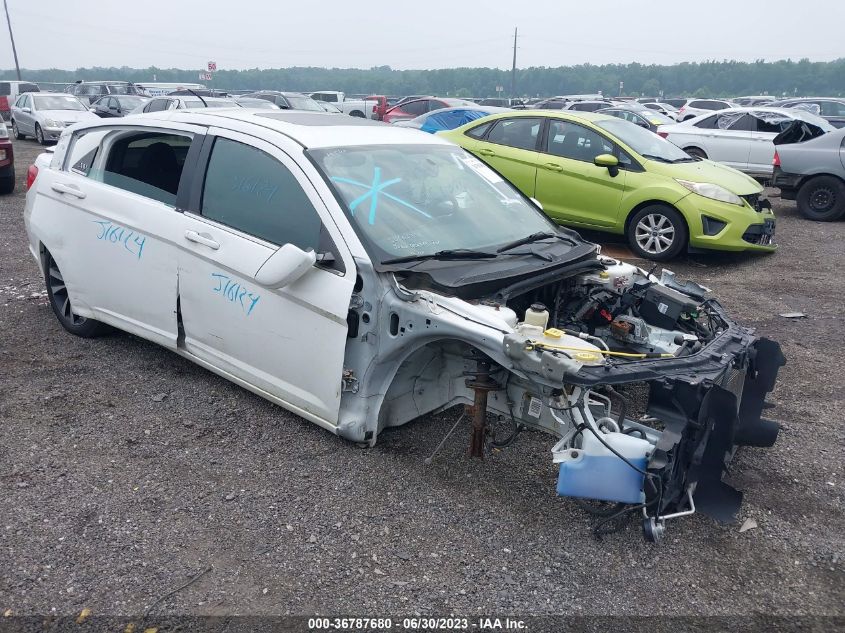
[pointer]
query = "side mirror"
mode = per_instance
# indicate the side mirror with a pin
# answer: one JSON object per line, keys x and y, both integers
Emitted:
{"x": 537, "y": 203}
{"x": 609, "y": 161}
{"x": 285, "y": 266}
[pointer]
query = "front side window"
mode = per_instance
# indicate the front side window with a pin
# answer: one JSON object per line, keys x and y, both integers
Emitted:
{"x": 520, "y": 133}
{"x": 832, "y": 108}
{"x": 253, "y": 192}
{"x": 142, "y": 162}
{"x": 415, "y": 108}
{"x": 644, "y": 142}
{"x": 569, "y": 140}
{"x": 419, "y": 199}
{"x": 157, "y": 105}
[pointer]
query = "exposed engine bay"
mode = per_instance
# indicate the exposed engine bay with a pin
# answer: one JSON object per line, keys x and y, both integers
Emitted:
{"x": 646, "y": 382}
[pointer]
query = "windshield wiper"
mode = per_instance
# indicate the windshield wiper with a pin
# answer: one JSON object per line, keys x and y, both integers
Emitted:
{"x": 654, "y": 157}
{"x": 535, "y": 237}
{"x": 457, "y": 253}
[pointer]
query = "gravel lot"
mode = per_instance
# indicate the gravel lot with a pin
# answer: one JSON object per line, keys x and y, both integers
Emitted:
{"x": 125, "y": 471}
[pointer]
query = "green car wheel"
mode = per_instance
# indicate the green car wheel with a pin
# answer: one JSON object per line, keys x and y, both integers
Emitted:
{"x": 657, "y": 232}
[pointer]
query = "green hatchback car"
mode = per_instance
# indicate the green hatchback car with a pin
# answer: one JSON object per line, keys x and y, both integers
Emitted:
{"x": 599, "y": 172}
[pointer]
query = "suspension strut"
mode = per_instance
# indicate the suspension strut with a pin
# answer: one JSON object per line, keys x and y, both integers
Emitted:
{"x": 482, "y": 384}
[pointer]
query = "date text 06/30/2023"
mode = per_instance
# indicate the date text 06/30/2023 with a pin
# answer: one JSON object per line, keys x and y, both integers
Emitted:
{"x": 421, "y": 623}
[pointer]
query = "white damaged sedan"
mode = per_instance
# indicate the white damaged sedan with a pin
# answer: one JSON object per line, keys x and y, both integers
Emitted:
{"x": 362, "y": 275}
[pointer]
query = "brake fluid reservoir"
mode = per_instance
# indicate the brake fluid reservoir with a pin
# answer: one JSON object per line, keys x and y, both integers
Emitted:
{"x": 594, "y": 472}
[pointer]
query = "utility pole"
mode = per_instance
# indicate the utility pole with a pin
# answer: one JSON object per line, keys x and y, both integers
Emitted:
{"x": 513, "y": 68}
{"x": 15, "y": 51}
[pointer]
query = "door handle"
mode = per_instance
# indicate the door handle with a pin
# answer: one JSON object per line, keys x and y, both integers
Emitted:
{"x": 71, "y": 190}
{"x": 486, "y": 152}
{"x": 554, "y": 167}
{"x": 193, "y": 236}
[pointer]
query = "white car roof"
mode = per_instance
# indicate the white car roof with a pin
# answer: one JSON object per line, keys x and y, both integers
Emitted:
{"x": 309, "y": 129}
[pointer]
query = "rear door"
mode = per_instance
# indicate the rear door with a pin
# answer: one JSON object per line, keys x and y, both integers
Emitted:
{"x": 109, "y": 219}
{"x": 510, "y": 147}
{"x": 285, "y": 343}
{"x": 762, "y": 149}
{"x": 725, "y": 138}
{"x": 571, "y": 188}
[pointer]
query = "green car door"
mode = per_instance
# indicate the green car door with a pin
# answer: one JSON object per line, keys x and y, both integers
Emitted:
{"x": 569, "y": 185}
{"x": 510, "y": 147}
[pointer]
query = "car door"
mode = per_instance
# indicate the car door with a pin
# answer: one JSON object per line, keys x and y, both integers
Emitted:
{"x": 111, "y": 224}
{"x": 286, "y": 343}
{"x": 725, "y": 138}
{"x": 571, "y": 188}
{"x": 762, "y": 148}
{"x": 510, "y": 147}
{"x": 25, "y": 116}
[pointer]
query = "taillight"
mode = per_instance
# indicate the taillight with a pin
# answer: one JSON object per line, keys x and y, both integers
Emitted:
{"x": 662, "y": 134}
{"x": 4, "y": 104}
{"x": 31, "y": 175}
{"x": 776, "y": 159}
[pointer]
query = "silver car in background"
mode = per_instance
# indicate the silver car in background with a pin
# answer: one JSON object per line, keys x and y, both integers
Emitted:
{"x": 810, "y": 169}
{"x": 45, "y": 115}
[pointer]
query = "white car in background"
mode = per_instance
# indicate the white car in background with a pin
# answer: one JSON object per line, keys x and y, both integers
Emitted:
{"x": 666, "y": 109}
{"x": 696, "y": 107}
{"x": 739, "y": 137}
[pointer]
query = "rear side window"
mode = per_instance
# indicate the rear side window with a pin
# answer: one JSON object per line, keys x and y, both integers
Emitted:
{"x": 28, "y": 88}
{"x": 251, "y": 191}
{"x": 833, "y": 108}
{"x": 145, "y": 163}
{"x": 708, "y": 123}
{"x": 520, "y": 133}
{"x": 5, "y": 89}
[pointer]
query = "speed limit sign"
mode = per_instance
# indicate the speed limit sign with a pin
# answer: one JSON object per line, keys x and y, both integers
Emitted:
{"x": 212, "y": 67}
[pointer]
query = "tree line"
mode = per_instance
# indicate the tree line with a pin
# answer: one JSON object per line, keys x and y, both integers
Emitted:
{"x": 710, "y": 78}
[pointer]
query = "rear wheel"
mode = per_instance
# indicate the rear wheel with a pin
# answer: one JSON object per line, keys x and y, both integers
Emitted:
{"x": 60, "y": 302}
{"x": 696, "y": 151}
{"x": 822, "y": 199}
{"x": 39, "y": 135}
{"x": 657, "y": 232}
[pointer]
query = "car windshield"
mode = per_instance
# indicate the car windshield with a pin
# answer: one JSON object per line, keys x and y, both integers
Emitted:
{"x": 130, "y": 102}
{"x": 57, "y": 102}
{"x": 406, "y": 200}
{"x": 644, "y": 142}
{"x": 122, "y": 89}
{"x": 303, "y": 103}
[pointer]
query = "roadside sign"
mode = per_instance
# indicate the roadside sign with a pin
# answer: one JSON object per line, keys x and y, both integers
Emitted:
{"x": 212, "y": 67}
{"x": 205, "y": 76}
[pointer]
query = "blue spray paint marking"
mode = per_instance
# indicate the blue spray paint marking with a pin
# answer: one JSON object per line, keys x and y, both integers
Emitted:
{"x": 132, "y": 241}
{"x": 235, "y": 292}
{"x": 374, "y": 190}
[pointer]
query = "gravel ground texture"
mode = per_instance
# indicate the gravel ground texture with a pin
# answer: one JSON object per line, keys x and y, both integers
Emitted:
{"x": 126, "y": 471}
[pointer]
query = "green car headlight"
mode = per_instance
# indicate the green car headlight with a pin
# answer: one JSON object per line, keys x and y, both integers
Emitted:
{"x": 711, "y": 190}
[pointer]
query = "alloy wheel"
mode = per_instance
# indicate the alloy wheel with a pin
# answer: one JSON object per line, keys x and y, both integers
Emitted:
{"x": 655, "y": 233}
{"x": 59, "y": 295}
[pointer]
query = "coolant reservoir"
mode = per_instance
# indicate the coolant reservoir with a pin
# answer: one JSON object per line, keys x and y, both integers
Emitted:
{"x": 617, "y": 275}
{"x": 594, "y": 472}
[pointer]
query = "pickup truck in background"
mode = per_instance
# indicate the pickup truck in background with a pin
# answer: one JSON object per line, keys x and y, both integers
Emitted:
{"x": 352, "y": 107}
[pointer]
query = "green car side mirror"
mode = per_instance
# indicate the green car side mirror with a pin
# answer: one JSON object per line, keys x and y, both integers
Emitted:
{"x": 609, "y": 161}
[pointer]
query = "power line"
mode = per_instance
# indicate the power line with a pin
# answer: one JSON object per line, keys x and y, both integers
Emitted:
{"x": 12, "y": 38}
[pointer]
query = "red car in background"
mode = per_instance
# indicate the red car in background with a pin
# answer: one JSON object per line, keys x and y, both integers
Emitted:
{"x": 377, "y": 106}
{"x": 413, "y": 109}
{"x": 7, "y": 161}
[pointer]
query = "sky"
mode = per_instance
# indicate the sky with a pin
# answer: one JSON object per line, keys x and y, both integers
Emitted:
{"x": 405, "y": 34}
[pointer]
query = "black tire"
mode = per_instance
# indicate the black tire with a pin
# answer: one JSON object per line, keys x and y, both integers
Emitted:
{"x": 39, "y": 135}
{"x": 657, "y": 232}
{"x": 822, "y": 199}
{"x": 7, "y": 184}
{"x": 696, "y": 151}
{"x": 16, "y": 133}
{"x": 357, "y": 114}
{"x": 60, "y": 302}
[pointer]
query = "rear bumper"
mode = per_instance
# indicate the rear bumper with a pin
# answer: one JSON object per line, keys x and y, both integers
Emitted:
{"x": 786, "y": 182}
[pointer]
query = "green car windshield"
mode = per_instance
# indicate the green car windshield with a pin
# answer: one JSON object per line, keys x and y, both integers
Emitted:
{"x": 644, "y": 142}
{"x": 420, "y": 199}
